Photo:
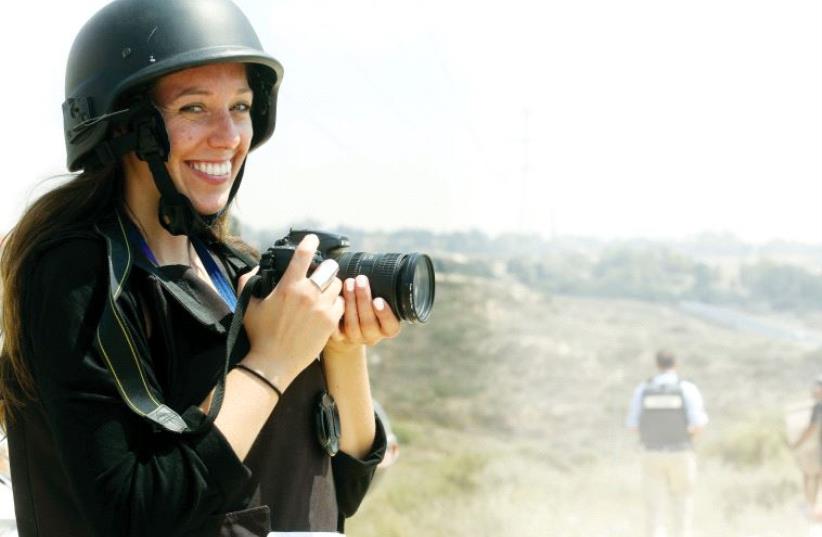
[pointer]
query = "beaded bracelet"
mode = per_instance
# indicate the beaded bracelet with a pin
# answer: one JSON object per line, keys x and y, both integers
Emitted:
{"x": 261, "y": 377}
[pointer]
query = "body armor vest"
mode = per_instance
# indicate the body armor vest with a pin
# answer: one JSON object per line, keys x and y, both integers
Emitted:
{"x": 663, "y": 421}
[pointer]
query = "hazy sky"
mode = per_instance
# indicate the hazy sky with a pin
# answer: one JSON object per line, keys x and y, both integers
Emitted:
{"x": 586, "y": 117}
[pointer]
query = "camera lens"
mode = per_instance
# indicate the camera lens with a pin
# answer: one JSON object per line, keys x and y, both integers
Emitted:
{"x": 405, "y": 281}
{"x": 417, "y": 280}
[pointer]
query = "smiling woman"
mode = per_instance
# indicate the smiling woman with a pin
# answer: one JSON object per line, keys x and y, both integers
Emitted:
{"x": 207, "y": 115}
{"x": 143, "y": 389}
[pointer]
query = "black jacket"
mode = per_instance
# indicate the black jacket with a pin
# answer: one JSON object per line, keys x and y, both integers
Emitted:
{"x": 83, "y": 463}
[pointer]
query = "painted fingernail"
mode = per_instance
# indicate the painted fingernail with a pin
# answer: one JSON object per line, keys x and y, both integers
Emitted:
{"x": 379, "y": 304}
{"x": 362, "y": 280}
{"x": 349, "y": 284}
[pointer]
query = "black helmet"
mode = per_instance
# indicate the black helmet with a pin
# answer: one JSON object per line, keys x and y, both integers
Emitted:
{"x": 117, "y": 55}
{"x": 129, "y": 43}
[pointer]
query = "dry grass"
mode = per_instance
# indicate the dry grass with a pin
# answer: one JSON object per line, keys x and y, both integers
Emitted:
{"x": 468, "y": 485}
{"x": 509, "y": 407}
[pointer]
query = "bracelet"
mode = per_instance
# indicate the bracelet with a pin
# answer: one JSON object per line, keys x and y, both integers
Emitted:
{"x": 261, "y": 377}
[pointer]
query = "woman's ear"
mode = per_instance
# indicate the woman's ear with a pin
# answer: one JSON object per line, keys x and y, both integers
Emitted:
{"x": 133, "y": 166}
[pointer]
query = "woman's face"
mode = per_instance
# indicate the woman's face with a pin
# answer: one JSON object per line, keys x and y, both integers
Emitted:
{"x": 207, "y": 112}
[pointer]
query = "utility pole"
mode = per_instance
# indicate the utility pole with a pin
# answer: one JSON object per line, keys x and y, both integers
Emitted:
{"x": 533, "y": 199}
{"x": 523, "y": 190}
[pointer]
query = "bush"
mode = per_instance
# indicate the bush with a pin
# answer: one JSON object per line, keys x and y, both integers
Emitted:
{"x": 751, "y": 443}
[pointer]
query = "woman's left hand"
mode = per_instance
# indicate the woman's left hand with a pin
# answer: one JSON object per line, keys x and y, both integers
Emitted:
{"x": 366, "y": 321}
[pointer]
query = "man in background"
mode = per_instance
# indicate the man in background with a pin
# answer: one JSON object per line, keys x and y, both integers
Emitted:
{"x": 668, "y": 413}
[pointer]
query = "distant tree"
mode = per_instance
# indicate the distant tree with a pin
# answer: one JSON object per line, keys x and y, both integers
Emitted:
{"x": 648, "y": 273}
{"x": 706, "y": 284}
{"x": 782, "y": 286}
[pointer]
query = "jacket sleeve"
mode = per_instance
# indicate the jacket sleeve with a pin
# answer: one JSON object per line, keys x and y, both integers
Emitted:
{"x": 129, "y": 477}
{"x": 352, "y": 476}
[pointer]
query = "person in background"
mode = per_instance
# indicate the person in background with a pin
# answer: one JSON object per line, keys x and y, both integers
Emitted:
{"x": 814, "y": 428}
{"x": 668, "y": 413}
{"x": 392, "y": 450}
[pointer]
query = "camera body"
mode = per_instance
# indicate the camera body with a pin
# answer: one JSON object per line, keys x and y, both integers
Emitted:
{"x": 275, "y": 260}
{"x": 404, "y": 281}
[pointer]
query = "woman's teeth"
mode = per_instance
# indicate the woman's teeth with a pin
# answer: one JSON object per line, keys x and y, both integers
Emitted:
{"x": 217, "y": 169}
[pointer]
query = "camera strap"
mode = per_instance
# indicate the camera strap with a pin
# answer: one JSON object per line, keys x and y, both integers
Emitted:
{"x": 117, "y": 347}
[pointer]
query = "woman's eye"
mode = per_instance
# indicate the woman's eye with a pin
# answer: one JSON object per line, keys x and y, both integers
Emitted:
{"x": 242, "y": 107}
{"x": 193, "y": 108}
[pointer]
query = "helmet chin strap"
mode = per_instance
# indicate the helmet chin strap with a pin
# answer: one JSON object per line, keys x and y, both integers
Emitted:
{"x": 175, "y": 211}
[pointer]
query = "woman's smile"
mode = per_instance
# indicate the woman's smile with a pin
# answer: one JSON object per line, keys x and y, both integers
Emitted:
{"x": 212, "y": 172}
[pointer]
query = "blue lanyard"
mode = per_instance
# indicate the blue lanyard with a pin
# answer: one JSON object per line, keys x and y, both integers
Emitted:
{"x": 137, "y": 239}
{"x": 217, "y": 277}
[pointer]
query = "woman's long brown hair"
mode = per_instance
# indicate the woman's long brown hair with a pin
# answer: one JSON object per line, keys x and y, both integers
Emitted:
{"x": 73, "y": 205}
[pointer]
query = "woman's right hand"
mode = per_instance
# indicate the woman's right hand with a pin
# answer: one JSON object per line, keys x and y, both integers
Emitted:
{"x": 288, "y": 329}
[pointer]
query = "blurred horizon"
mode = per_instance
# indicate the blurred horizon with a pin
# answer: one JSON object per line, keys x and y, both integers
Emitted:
{"x": 705, "y": 236}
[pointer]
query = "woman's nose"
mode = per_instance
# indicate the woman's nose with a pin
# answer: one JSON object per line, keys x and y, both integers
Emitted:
{"x": 225, "y": 132}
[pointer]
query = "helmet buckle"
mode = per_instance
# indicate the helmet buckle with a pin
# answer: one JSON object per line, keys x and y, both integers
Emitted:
{"x": 148, "y": 143}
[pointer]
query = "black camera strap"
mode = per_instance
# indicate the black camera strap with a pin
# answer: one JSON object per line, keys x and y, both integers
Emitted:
{"x": 117, "y": 347}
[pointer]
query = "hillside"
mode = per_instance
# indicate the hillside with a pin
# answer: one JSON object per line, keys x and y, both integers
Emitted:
{"x": 509, "y": 406}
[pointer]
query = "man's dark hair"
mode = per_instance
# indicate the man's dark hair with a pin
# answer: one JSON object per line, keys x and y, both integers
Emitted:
{"x": 665, "y": 359}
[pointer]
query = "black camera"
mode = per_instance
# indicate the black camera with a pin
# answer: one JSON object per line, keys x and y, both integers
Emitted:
{"x": 405, "y": 281}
